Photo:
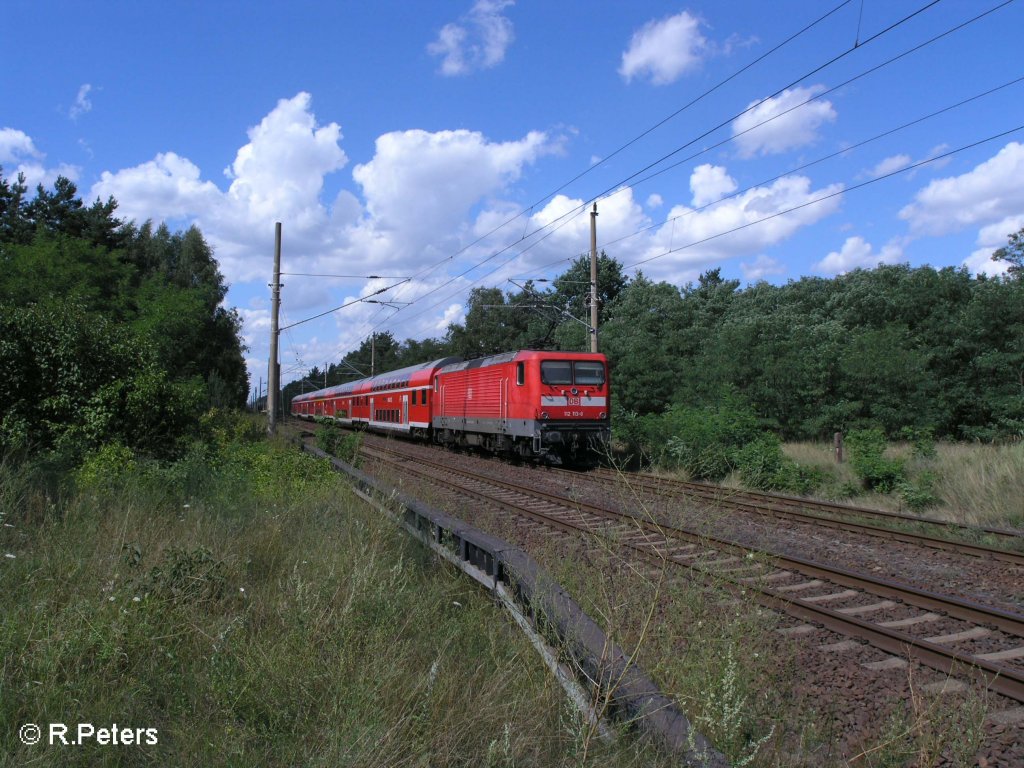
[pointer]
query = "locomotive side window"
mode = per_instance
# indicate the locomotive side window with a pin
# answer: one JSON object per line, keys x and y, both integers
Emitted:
{"x": 520, "y": 374}
{"x": 555, "y": 372}
{"x": 591, "y": 374}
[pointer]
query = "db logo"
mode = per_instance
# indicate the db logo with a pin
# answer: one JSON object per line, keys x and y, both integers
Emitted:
{"x": 573, "y": 401}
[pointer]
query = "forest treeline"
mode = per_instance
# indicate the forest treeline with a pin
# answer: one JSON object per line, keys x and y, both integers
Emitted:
{"x": 895, "y": 348}
{"x": 109, "y": 331}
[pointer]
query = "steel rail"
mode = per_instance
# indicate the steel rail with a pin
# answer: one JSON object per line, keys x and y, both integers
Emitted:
{"x": 1003, "y": 679}
{"x": 779, "y": 506}
{"x": 715, "y": 493}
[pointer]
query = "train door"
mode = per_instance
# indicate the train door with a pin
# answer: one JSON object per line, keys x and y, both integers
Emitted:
{"x": 405, "y": 409}
{"x": 373, "y": 414}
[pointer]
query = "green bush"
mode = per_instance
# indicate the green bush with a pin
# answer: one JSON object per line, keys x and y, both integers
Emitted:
{"x": 222, "y": 426}
{"x": 919, "y": 494}
{"x": 761, "y": 462}
{"x": 922, "y": 441}
{"x": 704, "y": 441}
{"x": 629, "y": 430}
{"x": 106, "y": 468}
{"x": 866, "y": 448}
{"x": 340, "y": 443}
{"x": 762, "y": 465}
{"x": 75, "y": 380}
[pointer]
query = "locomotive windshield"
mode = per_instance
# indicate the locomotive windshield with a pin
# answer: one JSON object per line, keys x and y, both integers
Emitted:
{"x": 556, "y": 372}
{"x": 590, "y": 374}
{"x": 565, "y": 372}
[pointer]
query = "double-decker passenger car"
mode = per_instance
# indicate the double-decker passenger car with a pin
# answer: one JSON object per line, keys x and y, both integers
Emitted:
{"x": 527, "y": 403}
{"x": 397, "y": 401}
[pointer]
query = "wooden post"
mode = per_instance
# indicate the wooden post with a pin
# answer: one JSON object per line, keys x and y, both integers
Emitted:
{"x": 838, "y": 442}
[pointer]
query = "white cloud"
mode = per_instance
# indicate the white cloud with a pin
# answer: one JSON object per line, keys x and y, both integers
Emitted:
{"x": 478, "y": 41}
{"x": 991, "y": 191}
{"x": 420, "y": 181}
{"x": 280, "y": 172}
{"x": 787, "y": 124}
{"x": 619, "y": 215}
{"x": 655, "y": 201}
{"x": 890, "y": 165}
{"x": 858, "y": 253}
{"x": 167, "y": 187}
{"x": 414, "y": 203}
{"x": 18, "y": 149}
{"x": 710, "y": 183}
{"x": 455, "y": 313}
{"x": 741, "y": 226}
{"x": 277, "y": 176}
{"x": 16, "y": 146}
{"x": 992, "y": 238}
{"x": 82, "y": 103}
{"x": 763, "y": 266}
{"x": 663, "y": 50}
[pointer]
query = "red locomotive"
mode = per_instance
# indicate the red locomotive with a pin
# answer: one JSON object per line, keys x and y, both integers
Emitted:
{"x": 532, "y": 404}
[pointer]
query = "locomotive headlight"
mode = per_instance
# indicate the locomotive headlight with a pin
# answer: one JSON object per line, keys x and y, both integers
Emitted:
{"x": 601, "y": 415}
{"x": 543, "y": 414}
{"x": 575, "y": 391}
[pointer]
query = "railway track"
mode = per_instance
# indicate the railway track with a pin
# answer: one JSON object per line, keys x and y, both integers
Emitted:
{"x": 822, "y": 513}
{"x": 951, "y": 634}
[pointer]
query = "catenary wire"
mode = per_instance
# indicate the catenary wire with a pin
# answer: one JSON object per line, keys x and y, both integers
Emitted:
{"x": 557, "y": 225}
{"x": 564, "y": 218}
{"x": 575, "y": 211}
{"x": 821, "y": 199}
{"x": 427, "y": 270}
{"x": 828, "y": 63}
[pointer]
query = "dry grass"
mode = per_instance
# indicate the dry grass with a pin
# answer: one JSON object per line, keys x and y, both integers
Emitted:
{"x": 981, "y": 484}
{"x": 975, "y": 484}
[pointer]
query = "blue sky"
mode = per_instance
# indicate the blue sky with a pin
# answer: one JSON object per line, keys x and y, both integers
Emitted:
{"x": 396, "y": 138}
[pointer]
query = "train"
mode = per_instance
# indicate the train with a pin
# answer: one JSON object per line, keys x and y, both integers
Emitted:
{"x": 550, "y": 406}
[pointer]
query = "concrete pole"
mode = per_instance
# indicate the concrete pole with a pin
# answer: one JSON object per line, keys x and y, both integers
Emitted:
{"x": 274, "y": 381}
{"x": 593, "y": 279}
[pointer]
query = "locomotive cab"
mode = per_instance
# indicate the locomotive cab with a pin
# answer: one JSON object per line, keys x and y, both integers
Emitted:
{"x": 573, "y": 414}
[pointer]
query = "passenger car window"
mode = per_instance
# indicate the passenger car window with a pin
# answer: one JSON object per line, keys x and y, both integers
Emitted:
{"x": 556, "y": 372}
{"x": 520, "y": 373}
{"x": 589, "y": 373}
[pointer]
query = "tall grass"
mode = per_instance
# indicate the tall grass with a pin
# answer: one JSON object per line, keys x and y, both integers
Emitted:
{"x": 253, "y": 612}
{"x": 981, "y": 484}
{"x": 974, "y": 483}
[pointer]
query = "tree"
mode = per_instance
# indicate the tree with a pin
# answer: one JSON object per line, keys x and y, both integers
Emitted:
{"x": 640, "y": 339}
{"x": 1013, "y": 253}
{"x": 572, "y": 298}
{"x": 15, "y": 226}
{"x": 493, "y": 325}
{"x": 572, "y": 288}
{"x": 75, "y": 380}
{"x": 165, "y": 287}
